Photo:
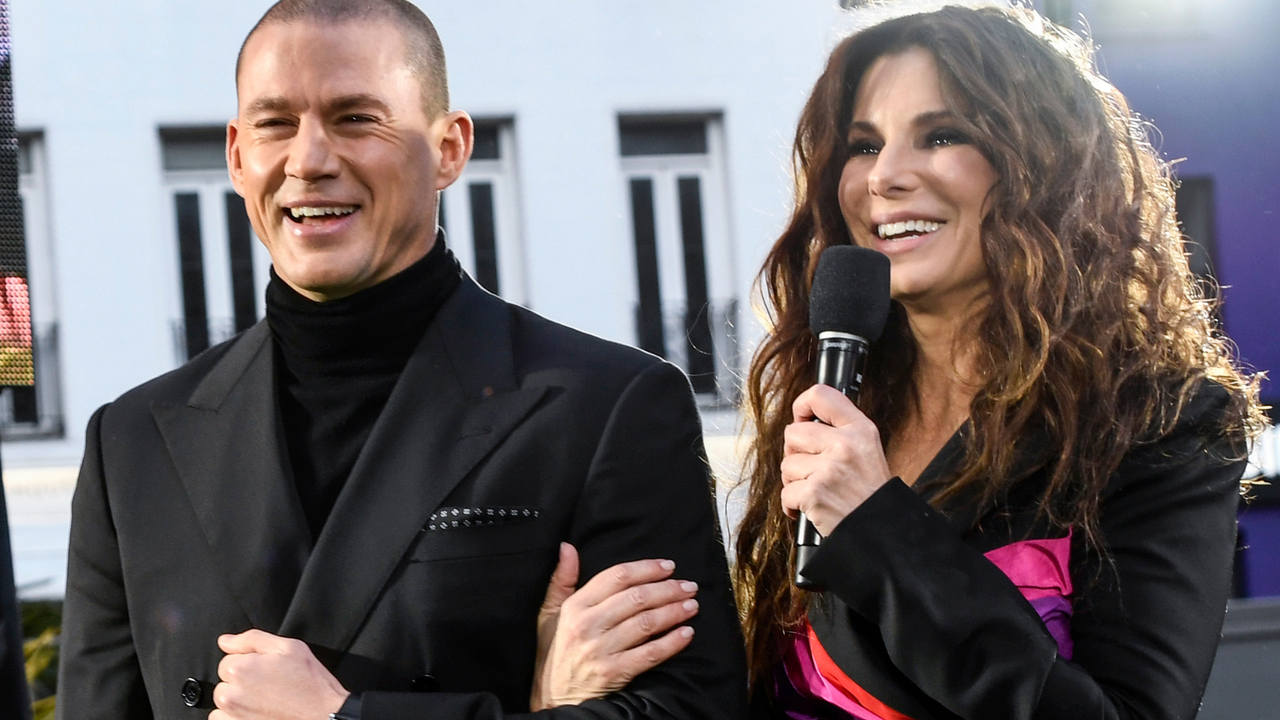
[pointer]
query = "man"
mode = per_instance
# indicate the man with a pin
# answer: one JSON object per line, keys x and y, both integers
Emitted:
{"x": 386, "y": 467}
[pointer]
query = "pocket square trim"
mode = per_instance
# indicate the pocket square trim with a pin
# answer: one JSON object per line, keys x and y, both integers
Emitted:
{"x": 448, "y": 518}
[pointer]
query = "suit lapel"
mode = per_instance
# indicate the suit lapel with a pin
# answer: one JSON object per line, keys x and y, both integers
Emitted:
{"x": 226, "y": 444}
{"x": 963, "y": 512}
{"x": 455, "y": 401}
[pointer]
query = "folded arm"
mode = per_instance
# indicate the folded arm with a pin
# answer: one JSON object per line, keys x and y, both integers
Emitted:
{"x": 647, "y": 496}
{"x": 1146, "y": 617}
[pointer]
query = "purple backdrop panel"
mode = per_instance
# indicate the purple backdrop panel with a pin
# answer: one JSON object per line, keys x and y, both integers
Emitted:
{"x": 1260, "y": 527}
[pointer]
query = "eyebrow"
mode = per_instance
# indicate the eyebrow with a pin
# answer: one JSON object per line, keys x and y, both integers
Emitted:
{"x": 345, "y": 103}
{"x": 266, "y": 105}
{"x": 925, "y": 119}
{"x": 357, "y": 101}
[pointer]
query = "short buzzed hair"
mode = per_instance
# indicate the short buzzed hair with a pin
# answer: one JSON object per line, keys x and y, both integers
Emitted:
{"x": 423, "y": 52}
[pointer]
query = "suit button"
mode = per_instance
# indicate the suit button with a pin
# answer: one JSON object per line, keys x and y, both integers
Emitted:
{"x": 192, "y": 692}
{"x": 425, "y": 684}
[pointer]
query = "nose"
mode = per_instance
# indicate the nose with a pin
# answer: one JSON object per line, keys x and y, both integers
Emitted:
{"x": 311, "y": 153}
{"x": 895, "y": 171}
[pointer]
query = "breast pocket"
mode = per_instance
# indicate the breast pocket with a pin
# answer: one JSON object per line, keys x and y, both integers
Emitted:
{"x": 460, "y": 532}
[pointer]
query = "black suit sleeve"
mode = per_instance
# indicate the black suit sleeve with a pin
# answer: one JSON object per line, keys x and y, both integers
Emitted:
{"x": 647, "y": 495}
{"x": 1146, "y": 618}
{"x": 98, "y": 673}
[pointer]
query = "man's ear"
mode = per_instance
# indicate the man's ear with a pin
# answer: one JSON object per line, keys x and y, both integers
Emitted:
{"x": 456, "y": 137}
{"x": 234, "y": 168}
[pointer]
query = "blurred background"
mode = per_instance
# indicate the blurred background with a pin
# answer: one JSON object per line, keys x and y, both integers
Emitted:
{"x": 630, "y": 172}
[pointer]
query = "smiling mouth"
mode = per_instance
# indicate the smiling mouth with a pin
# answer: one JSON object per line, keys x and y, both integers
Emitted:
{"x": 906, "y": 229}
{"x": 307, "y": 214}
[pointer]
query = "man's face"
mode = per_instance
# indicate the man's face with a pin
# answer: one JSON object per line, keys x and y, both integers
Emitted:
{"x": 335, "y": 156}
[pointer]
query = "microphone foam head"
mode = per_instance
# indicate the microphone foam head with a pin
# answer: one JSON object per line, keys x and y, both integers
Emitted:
{"x": 850, "y": 292}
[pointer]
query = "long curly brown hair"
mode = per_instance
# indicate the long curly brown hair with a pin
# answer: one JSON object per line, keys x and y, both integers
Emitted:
{"x": 1095, "y": 332}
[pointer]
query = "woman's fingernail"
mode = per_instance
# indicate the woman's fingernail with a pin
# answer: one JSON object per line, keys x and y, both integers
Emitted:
{"x": 688, "y": 586}
{"x": 667, "y": 565}
{"x": 690, "y": 605}
{"x": 686, "y": 632}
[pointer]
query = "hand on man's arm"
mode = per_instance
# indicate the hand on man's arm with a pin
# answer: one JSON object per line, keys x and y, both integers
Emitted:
{"x": 594, "y": 640}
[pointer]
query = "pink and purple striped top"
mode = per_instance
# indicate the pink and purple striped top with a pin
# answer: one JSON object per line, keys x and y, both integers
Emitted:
{"x": 809, "y": 685}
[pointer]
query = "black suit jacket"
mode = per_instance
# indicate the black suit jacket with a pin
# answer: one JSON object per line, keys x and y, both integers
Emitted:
{"x": 505, "y": 435}
{"x": 922, "y": 621}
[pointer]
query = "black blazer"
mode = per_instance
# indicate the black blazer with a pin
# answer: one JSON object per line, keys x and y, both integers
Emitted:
{"x": 505, "y": 434}
{"x": 922, "y": 621}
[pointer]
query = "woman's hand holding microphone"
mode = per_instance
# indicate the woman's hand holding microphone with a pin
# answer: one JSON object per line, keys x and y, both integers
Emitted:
{"x": 830, "y": 467}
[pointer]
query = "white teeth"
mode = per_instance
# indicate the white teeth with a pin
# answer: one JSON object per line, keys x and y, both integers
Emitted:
{"x": 301, "y": 212}
{"x": 893, "y": 230}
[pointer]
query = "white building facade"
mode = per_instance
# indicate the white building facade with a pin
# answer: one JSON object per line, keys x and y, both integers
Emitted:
{"x": 631, "y": 171}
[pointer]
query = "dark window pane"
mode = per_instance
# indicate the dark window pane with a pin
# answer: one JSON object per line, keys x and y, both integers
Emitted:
{"x": 25, "y": 409}
{"x": 697, "y": 320}
{"x": 194, "y": 314}
{"x": 486, "y": 143}
{"x": 1240, "y": 567}
{"x": 1195, "y": 214}
{"x": 482, "y": 234}
{"x": 24, "y": 157}
{"x": 661, "y": 137}
{"x": 194, "y": 148}
{"x": 240, "y": 246}
{"x": 649, "y": 312}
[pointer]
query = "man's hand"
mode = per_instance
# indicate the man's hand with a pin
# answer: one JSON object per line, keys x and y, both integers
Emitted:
{"x": 595, "y": 640}
{"x": 267, "y": 677}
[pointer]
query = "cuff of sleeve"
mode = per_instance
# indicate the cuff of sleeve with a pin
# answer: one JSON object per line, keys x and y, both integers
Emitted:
{"x": 350, "y": 709}
{"x": 377, "y": 705}
{"x": 949, "y": 618}
{"x": 887, "y": 529}
{"x": 897, "y": 553}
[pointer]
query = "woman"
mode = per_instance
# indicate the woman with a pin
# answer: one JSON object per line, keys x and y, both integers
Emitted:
{"x": 1032, "y": 513}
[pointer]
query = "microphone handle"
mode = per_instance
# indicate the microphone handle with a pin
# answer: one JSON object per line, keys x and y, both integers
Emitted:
{"x": 841, "y": 360}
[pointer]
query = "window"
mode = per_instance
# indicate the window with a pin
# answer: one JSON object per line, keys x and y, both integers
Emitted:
{"x": 481, "y": 213}
{"x": 35, "y": 410}
{"x": 1146, "y": 18}
{"x": 1059, "y": 11}
{"x": 685, "y": 309}
{"x": 222, "y": 271}
{"x": 24, "y": 157}
{"x": 1194, "y": 201}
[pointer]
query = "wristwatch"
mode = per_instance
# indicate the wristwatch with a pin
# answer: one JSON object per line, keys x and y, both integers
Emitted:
{"x": 350, "y": 709}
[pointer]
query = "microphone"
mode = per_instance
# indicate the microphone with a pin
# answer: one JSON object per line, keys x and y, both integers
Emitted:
{"x": 848, "y": 307}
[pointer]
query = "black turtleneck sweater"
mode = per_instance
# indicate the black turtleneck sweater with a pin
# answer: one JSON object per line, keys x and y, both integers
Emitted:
{"x": 337, "y": 363}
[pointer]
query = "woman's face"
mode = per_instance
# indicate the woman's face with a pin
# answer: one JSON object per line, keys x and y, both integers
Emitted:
{"x": 915, "y": 187}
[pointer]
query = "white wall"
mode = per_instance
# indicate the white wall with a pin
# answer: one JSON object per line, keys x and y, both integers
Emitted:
{"x": 99, "y": 79}
{"x": 566, "y": 70}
